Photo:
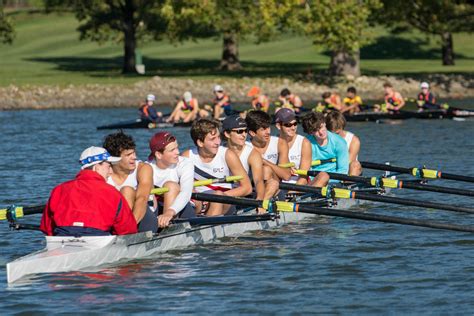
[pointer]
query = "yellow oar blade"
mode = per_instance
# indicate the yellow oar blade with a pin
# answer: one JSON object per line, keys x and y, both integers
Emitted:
{"x": 159, "y": 191}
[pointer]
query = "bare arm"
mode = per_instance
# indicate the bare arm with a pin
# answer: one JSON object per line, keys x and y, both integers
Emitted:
{"x": 306, "y": 157}
{"x": 282, "y": 173}
{"x": 402, "y": 101}
{"x": 354, "y": 149}
{"x": 256, "y": 165}
{"x": 236, "y": 168}
{"x": 145, "y": 185}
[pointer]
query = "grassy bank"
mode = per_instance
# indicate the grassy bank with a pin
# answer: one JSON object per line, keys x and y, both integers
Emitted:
{"x": 47, "y": 51}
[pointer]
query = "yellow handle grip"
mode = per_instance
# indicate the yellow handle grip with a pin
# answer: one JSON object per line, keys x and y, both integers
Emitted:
{"x": 233, "y": 178}
{"x": 287, "y": 165}
{"x": 301, "y": 172}
{"x": 18, "y": 211}
{"x": 159, "y": 191}
{"x": 320, "y": 162}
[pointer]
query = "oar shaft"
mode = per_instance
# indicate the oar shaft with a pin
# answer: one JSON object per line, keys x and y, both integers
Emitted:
{"x": 435, "y": 188}
{"x": 222, "y": 220}
{"x": 457, "y": 177}
{"x": 384, "y": 218}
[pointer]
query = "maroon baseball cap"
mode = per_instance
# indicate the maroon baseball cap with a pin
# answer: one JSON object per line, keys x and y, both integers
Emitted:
{"x": 159, "y": 141}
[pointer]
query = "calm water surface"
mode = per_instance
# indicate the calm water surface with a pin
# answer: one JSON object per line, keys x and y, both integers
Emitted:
{"x": 340, "y": 266}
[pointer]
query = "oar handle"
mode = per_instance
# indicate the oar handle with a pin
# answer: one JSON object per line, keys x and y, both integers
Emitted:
{"x": 313, "y": 163}
{"x": 159, "y": 191}
{"x": 200, "y": 183}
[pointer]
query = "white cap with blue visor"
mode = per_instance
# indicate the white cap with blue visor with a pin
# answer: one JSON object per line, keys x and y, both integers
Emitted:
{"x": 95, "y": 155}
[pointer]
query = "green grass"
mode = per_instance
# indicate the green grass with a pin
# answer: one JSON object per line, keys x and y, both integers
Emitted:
{"x": 47, "y": 50}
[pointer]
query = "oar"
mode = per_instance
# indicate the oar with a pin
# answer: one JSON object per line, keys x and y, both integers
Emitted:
{"x": 20, "y": 211}
{"x": 281, "y": 206}
{"x": 417, "y": 172}
{"x": 357, "y": 195}
{"x": 313, "y": 163}
{"x": 389, "y": 183}
{"x": 221, "y": 220}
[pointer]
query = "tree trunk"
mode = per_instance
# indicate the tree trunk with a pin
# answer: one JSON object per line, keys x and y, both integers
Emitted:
{"x": 130, "y": 41}
{"x": 230, "y": 54}
{"x": 344, "y": 64}
{"x": 447, "y": 49}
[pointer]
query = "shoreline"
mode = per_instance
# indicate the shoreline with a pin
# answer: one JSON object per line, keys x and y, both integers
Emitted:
{"x": 168, "y": 90}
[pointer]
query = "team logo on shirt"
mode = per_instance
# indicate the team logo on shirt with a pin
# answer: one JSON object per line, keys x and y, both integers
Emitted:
{"x": 218, "y": 170}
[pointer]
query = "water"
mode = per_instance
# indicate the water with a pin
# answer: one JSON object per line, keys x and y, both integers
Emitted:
{"x": 341, "y": 266}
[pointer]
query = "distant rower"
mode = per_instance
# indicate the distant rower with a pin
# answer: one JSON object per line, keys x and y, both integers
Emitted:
{"x": 426, "y": 99}
{"x": 393, "y": 99}
{"x": 259, "y": 100}
{"x": 147, "y": 111}
{"x": 186, "y": 110}
{"x": 332, "y": 101}
{"x": 352, "y": 102}
{"x": 211, "y": 161}
{"x": 290, "y": 101}
{"x": 336, "y": 123}
{"x": 222, "y": 104}
{"x": 173, "y": 172}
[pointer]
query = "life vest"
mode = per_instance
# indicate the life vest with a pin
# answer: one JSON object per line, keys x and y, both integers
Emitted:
{"x": 226, "y": 104}
{"x": 188, "y": 107}
{"x": 393, "y": 100}
{"x": 427, "y": 98}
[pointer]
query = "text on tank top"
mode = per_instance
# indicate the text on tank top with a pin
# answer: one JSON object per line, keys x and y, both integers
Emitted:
{"x": 216, "y": 168}
{"x": 130, "y": 181}
{"x": 271, "y": 154}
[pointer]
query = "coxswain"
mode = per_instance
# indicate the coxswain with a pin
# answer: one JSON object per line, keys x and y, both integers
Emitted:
{"x": 290, "y": 101}
{"x": 259, "y": 100}
{"x": 87, "y": 205}
{"x": 325, "y": 144}
{"x": 336, "y": 123}
{"x": 352, "y": 102}
{"x": 234, "y": 131}
{"x": 147, "y": 111}
{"x": 393, "y": 99}
{"x": 211, "y": 161}
{"x": 273, "y": 150}
{"x": 186, "y": 110}
{"x": 299, "y": 147}
{"x": 222, "y": 104}
{"x": 173, "y": 172}
{"x": 426, "y": 100}
{"x": 133, "y": 178}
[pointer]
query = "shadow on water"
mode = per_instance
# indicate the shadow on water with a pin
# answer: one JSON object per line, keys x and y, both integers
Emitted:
{"x": 104, "y": 67}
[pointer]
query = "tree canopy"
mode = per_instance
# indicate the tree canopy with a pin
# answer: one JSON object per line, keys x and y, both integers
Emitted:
{"x": 6, "y": 29}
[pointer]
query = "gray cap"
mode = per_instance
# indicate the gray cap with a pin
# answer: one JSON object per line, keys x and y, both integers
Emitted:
{"x": 233, "y": 122}
{"x": 284, "y": 115}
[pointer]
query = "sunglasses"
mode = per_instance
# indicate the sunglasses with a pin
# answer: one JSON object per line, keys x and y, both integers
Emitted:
{"x": 290, "y": 124}
{"x": 239, "y": 131}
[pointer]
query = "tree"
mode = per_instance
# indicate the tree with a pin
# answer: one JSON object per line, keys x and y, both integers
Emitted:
{"x": 6, "y": 29}
{"x": 437, "y": 17}
{"x": 232, "y": 19}
{"x": 338, "y": 25}
{"x": 125, "y": 21}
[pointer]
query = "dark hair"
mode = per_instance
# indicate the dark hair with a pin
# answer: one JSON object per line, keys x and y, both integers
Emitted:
{"x": 312, "y": 122}
{"x": 335, "y": 120}
{"x": 202, "y": 127}
{"x": 352, "y": 90}
{"x": 118, "y": 142}
{"x": 257, "y": 119}
{"x": 326, "y": 95}
{"x": 285, "y": 92}
{"x": 387, "y": 85}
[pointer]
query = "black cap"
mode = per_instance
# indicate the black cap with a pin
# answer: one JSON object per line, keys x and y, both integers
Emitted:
{"x": 284, "y": 115}
{"x": 233, "y": 122}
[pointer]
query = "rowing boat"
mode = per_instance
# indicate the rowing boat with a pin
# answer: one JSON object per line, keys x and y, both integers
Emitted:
{"x": 451, "y": 113}
{"x": 63, "y": 254}
{"x": 142, "y": 123}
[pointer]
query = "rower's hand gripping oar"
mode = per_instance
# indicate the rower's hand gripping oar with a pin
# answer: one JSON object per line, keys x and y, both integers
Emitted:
{"x": 379, "y": 182}
{"x": 14, "y": 212}
{"x": 417, "y": 172}
{"x": 281, "y": 206}
{"x": 340, "y": 193}
{"x": 313, "y": 163}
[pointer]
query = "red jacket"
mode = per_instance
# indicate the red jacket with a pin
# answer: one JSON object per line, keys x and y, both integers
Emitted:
{"x": 88, "y": 202}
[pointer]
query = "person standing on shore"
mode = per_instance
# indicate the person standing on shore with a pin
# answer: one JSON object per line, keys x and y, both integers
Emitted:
{"x": 393, "y": 99}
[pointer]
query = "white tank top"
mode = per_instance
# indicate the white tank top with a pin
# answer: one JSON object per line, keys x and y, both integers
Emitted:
{"x": 216, "y": 168}
{"x": 130, "y": 181}
{"x": 294, "y": 155}
{"x": 348, "y": 138}
{"x": 271, "y": 154}
{"x": 244, "y": 157}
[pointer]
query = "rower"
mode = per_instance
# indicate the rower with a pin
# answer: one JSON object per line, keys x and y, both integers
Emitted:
{"x": 211, "y": 161}
{"x": 87, "y": 205}
{"x": 147, "y": 111}
{"x": 133, "y": 178}
{"x": 325, "y": 144}
{"x": 332, "y": 101}
{"x": 299, "y": 147}
{"x": 234, "y": 131}
{"x": 222, "y": 103}
{"x": 426, "y": 100}
{"x": 290, "y": 101}
{"x": 393, "y": 99}
{"x": 273, "y": 150}
{"x": 352, "y": 102}
{"x": 173, "y": 172}
{"x": 259, "y": 100}
{"x": 186, "y": 110}
{"x": 336, "y": 123}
